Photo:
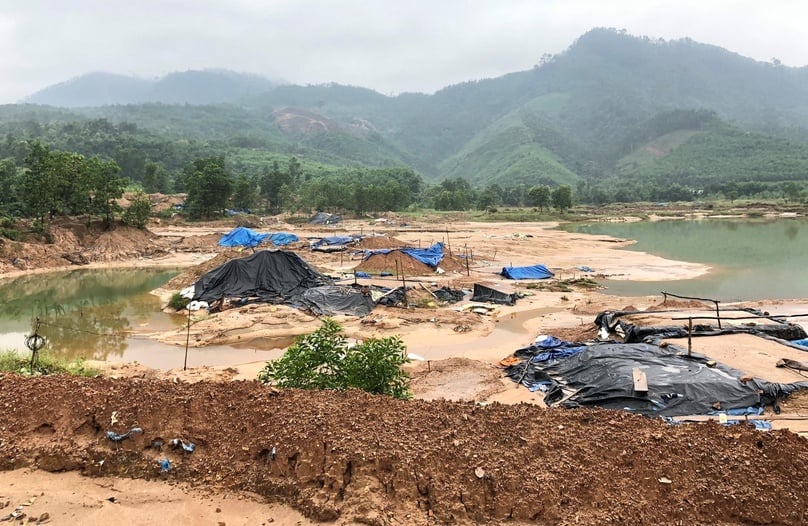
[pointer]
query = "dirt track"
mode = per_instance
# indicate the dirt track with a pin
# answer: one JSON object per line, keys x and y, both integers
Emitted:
{"x": 355, "y": 457}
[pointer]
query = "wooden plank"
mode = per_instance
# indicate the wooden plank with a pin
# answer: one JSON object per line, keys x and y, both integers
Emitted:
{"x": 640, "y": 381}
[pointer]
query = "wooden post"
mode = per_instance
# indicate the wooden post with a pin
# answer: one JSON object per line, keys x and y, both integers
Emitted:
{"x": 448, "y": 243}
{"x": 404, "y": 287}
{"x": 468, "y": 272}
{"x": 187, "y": 339}
{"x": 689, "y": 337}
{"x": 494, "y": 257}
{"x": 718, "y": 314}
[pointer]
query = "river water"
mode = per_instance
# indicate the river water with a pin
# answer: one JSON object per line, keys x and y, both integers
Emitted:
{"x": 103, "y": 314}
{"x": 750, "y": 259}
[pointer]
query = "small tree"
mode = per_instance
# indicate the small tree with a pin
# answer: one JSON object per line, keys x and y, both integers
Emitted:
{"x": 325, "y": 360}
{"x": 562, "y": 198}
{"x": 539, "y": 196}
{"x": 138, "y": 212}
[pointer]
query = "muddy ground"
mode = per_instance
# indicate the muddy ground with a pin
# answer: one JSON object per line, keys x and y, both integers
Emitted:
{"x": 350, "y": 456}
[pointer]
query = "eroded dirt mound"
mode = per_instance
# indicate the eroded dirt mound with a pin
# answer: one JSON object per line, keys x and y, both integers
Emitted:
{"x": 73, "y": 242}
{"x": 353, "y": 456}
{"x": 376, "y": 242}
{"x": 122, "y": 242}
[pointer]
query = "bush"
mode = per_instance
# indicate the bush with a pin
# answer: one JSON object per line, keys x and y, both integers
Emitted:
{"x": 178, "y": 301}
{"x": 325, "y": 360}
{"x": 12, "y": 362}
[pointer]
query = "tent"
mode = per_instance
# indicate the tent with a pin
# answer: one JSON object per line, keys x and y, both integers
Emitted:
{"x": 534, "y": 272}
{"x": 270, "y": 275}
{"x": 243, "y": 237}
{"x": 489, "y": 295}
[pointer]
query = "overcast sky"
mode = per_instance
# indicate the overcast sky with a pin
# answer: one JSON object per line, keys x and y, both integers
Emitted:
{"x": 391, "y": 46}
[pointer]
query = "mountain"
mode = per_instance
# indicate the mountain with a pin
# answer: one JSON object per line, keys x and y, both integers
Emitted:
{"x": 188, "y": 87}
{"x": 611, "y": 107}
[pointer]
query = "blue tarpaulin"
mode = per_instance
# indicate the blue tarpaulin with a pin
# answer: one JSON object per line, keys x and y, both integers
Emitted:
{"x": 242, "y": 236}
{"x": 280, "y": 239}
{"x": 431, "y": 256}
{"x": 803, "y": 342}
{"x": 534, "y": 272}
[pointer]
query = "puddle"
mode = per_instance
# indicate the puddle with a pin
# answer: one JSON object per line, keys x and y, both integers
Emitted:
{"x": 509, "y": 334}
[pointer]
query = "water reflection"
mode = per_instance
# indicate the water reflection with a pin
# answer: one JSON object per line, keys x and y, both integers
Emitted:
{"x": 84, "y": 313}
{"x": 791, "y": 231}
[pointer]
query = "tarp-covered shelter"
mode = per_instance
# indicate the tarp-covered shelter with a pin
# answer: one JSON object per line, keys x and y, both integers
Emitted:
{"x": 323, "y": 218}
{"x": 269, "y": 275}
{"x": 489, "y": 295}
{"x": 677, "y": 384}
{"x": 332, "y": 243}
{"x": 431, "y": 256}
{"x": 532, "y": 272}
{"x": 242, "y": 237}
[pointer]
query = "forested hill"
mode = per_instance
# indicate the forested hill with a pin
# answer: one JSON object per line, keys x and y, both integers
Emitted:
{"x": 611, "y": 106}
{"x": 188, "y": 87}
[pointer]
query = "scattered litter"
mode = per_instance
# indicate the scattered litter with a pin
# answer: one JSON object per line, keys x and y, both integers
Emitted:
{"x": 165, "y": 465}
{"x": 198, "y": 305}
{"x": 188, "y": 447}
{"x": 115, "y": 437}
{"x": 479, "y": 472}
{"x": 665, "y": 480}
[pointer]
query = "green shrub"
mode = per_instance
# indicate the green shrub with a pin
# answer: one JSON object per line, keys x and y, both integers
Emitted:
{"x": 178, "y": 301}
{"x": 325, "y": 360}
{"x": 138, "y": 212}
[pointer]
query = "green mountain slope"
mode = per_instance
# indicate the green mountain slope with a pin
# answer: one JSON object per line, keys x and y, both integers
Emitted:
{"x": 700, "y": 158}
{"x": 611, "y": 105}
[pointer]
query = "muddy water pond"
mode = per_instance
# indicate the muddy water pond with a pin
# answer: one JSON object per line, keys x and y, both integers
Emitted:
{"x": 104, "y": 314}
{"x": 749, "y": 259}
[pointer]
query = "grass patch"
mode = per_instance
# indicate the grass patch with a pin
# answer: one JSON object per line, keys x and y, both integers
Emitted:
{"x": 13, "y": 362}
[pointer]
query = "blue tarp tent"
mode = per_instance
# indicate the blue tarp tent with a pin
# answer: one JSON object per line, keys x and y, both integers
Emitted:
{"x": 242, "y": 236}
{"x": 431, "y": 256}
{"x": 333, "y": 240}
{"x": 534, "y": 272}
{"x": 280, "y": 239}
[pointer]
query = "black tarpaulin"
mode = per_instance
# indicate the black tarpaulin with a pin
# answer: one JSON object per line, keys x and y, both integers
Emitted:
{"x": 270, "y": 275}
{"x": 489, "y": 295}
{"x": 678, "y": 385}
{"x": 333, "y": 299}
